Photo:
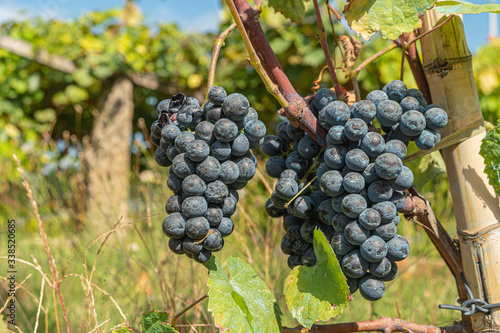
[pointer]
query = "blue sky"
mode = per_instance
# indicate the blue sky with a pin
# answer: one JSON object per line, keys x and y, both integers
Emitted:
{"x": 191, "y": 15}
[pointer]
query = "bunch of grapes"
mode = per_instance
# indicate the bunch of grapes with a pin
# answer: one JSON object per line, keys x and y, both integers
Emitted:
{"x": 208, "y": 152}
{"x": 352, "y": 190}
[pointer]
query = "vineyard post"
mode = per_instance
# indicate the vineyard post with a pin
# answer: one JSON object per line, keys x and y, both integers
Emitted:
{"x": 447, "y": 64}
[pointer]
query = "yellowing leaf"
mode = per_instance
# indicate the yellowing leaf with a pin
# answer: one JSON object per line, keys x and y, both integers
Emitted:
{"x": 390, "y": 17}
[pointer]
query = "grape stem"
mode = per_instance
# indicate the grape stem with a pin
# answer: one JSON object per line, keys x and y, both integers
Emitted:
{"x": 324, "y": 45}
{"x": 263, "y": 59}
{"x": 271, "y": 87}
{"x": 219, "y": 42}
{"x": 382, "y": 324}
{"x": 423, "y": 213}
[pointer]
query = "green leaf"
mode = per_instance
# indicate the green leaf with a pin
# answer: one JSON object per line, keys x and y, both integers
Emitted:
{"x": 244, "y": 303}
{"x": 317, "y": 293}
{"x": 464, "y": 7}
{"x": 426, "y": 168}
{"x": 76, "y": 94}
{"x": 390, "y": 17}
{"x": 295, "y": 10}
{"x": 490, "y": 150}
{"x": 123, "y": 330}
{"x": 156, "y": 322}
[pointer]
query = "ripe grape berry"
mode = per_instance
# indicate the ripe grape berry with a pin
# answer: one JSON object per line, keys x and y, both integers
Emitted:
{"x": 208, "y": 165}
{"x": 353, "y": 189}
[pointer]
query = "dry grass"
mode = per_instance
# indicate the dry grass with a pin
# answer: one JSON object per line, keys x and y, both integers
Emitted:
{"x": 110, "y": 279}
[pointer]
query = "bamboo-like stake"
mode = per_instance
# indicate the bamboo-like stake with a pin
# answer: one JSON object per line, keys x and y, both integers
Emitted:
{"x": 448, "y": 67}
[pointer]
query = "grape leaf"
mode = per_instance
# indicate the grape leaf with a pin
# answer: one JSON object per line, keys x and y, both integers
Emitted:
{"x": 244, "y": 303}
{"x": 390, "y": 17}
{"x": 156, "y": 322}
{"x": 490, "y": 150}
{"x": 295, "y": 10}
{"x": 320, "y": 292}
{"x": 426, "y": 167}
{"x": 465, "y": 7}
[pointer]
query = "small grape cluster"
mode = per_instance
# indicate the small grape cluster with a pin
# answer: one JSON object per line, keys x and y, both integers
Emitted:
{"x": 208, "y": 151}
{"x": 359, "y": 181}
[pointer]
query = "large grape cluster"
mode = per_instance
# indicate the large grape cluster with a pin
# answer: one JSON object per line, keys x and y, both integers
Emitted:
{"x": 355, "y": 187}
{"x": 208, "y": 151}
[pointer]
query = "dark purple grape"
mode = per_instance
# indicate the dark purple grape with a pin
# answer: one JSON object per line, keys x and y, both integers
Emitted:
{"x": 225, "y": 130}
{"x": 396, "y": 147}
{"x": 369, "y": 219}
{"x": 182, "y": 140}
{"x": 371, "y": 288}
{"x": 373, "y": 144}
{"x": 417, "y": 94}
{"x": 373, "y": 249}
{"x": 395, "y": 90}
{"x": 409, "y": 103}
{"x": 357, "y": 160}
{"x": 174, "y": 226}
{"x": 355, "y": 129}
{"x": 197, "y": 227}
{"x": 213, "y": 240}
{"x": 377, "y": 96}
{"x": 365, "y": 110}
{"x": 355, "y": 233}
{"x": 331, "y": 183}
{"x": 335, "y": 157}
{"x": 209, "y": 170}
{"x": 182, "y": 166}
{"x": 175, "y": 245}
{"x": 340, "y": 245}
{"x": 381, "y": 268}
{"x": 161, "y": 158}
{"x": 323, "y": 97}
{"x": 307, "y": 147}
{"x": 204, "y": 131}
{"x": 387, "y": 211}
{"x": 337, "y": 113}
{"x": 353, "y": 205}
{"x": 221, "y": 150}
{"x": 194, "y": 206}
{"x": 398, "y": 248}
{"x": 272, "y": 146}
{"x": 217, "y": 95}
{"x": 193, "y": 185}
{"x": 173, "y": 204}
{"x": 236, "y": 106}
{"x": 353, "y": 182}
{"x": 388, "y": 166}
{"x": 216, "y": 192}
{"x": 354, "y": 265}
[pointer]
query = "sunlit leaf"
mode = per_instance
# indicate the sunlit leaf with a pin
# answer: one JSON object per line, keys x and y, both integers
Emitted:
{"x": 390, "y": 17}
{"x": 244, "y": 303}
{"x": 465, "y": 7}
{"x": 317, "y": 293}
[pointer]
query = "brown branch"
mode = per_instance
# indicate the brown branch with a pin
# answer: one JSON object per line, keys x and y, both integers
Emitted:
{"x": 190, "y": 306}
{"x": 27, "y": 50}
{"x": 52, "y": 262}
{"x": 65, "y": 65}
{"x": 422, "y": 212}
{"x": 215, "y": 56}
{"x": 324, "y": 45}
{"x": 418, "y": 71}
{"x": 382, "y": 324}
{"x": 297, "y": 110}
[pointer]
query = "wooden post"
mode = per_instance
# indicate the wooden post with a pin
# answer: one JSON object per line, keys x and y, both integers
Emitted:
{"x": 108, "y": 156}
{"x": 448, "y": 68}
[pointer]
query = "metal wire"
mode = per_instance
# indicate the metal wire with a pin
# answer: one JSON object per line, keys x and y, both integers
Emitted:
{"x": 472, "y": 305}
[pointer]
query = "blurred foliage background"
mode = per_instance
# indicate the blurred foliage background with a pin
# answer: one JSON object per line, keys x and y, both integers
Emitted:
{"x": 46, "y": 119}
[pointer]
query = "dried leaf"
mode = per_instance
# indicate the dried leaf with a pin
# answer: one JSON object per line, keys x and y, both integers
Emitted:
{"x": 357, "y": 46}
{"x": 350, "y": 57}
